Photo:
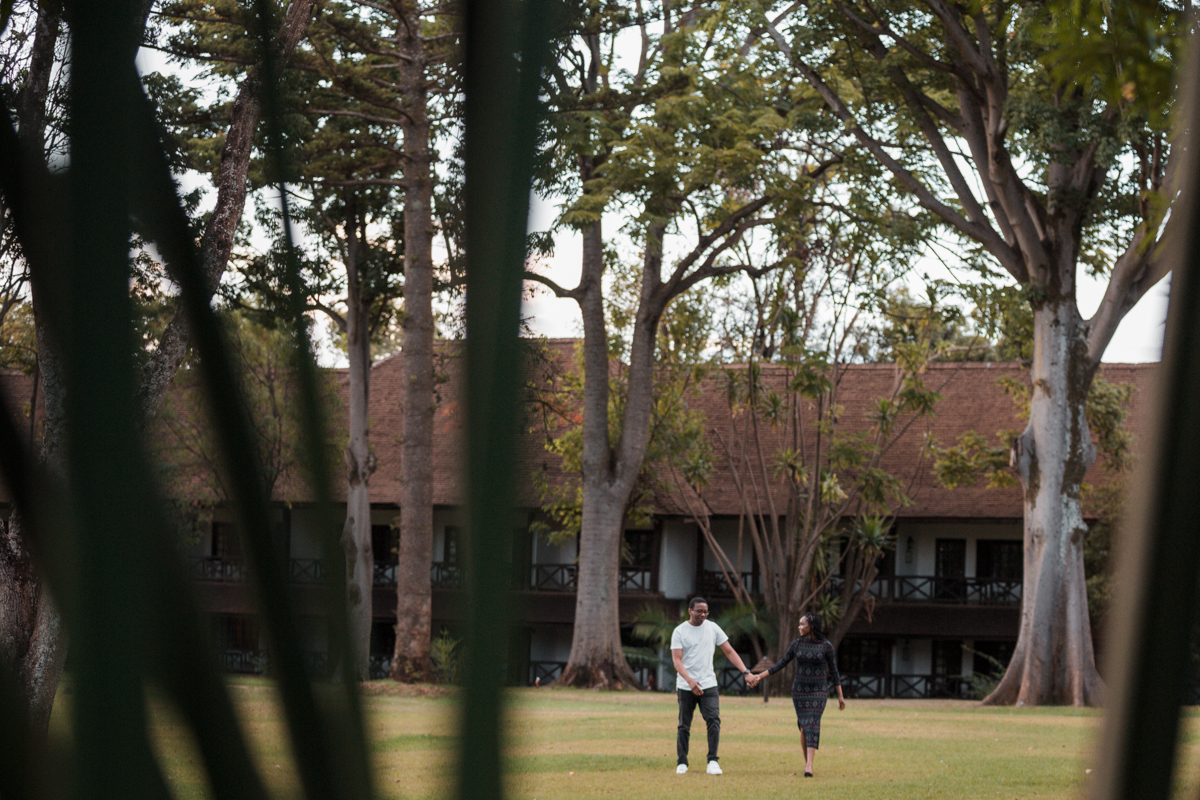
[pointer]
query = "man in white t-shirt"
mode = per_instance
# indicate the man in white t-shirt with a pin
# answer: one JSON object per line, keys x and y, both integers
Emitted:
{"x": 693, "y": 645}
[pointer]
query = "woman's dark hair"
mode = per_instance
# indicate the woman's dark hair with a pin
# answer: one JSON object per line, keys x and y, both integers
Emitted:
{"x": 816, "y": 627}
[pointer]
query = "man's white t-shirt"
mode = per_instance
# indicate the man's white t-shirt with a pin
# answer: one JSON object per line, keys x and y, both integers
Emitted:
{"x": 698, "y": 643}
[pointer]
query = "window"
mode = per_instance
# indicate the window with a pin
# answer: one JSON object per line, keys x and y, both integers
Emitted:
{"x": 950, "y": 559}
{"x": 991, "y": 658}
{"x": 639, "y": 549}
{"x": 225, "y": 542}
{"x": 947, "y": 657}
{"x": 385, "y": 544}
{"x": 450, "y": 545}
{"x": 1002, "y": 559}
{"x": 865, "y": 656}
{"x": 950, "y": 569}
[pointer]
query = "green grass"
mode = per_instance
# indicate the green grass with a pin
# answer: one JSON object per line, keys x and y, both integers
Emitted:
{"x": 570, "y": 745}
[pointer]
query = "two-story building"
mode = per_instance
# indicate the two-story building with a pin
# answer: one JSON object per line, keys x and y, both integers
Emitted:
{"x": 944, "y": 606}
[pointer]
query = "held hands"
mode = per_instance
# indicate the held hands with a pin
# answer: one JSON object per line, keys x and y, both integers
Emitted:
{"x": 753, "y": 679}
{"x": 696, "y": 690}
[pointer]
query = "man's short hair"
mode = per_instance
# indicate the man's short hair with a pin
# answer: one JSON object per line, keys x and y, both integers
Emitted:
{"x": 694, "y": 601}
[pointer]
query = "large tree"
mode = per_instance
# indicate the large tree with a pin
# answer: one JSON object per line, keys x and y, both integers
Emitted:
{"x": 388, "y": 68}
{"x": 361, "y": 132}
{"x": 818, "y": 501}
{"x": 31, "y": 636}
{"x": 687, "y": 141}
{"x": 1047, "y": 160}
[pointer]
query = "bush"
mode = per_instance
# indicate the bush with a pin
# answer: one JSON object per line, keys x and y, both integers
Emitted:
{"x": 442, "y": 651}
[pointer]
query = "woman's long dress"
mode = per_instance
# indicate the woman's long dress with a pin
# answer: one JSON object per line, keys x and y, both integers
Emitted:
{"x": 816, "y": 673}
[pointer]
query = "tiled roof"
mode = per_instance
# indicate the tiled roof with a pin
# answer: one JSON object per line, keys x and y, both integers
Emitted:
{"x": 972, "y": 400}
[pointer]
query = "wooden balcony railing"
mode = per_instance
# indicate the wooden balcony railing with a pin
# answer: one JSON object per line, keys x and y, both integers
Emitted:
{"x": 930, "y": 589}
{"x": 712, "y": 583}
{"x": 543, "y": 577}
{"x": 217, "y": 569}
{"x": 908, "y": 686}
{"x": 554, "y": 577}
{"x": 446, "y": 576}
{"x": 565, "y": 577}
{"x": 385, "y": 574}
{"x": 308, "y": 570}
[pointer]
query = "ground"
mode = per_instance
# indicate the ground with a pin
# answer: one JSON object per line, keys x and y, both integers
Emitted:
{"x": 574, "y": 744}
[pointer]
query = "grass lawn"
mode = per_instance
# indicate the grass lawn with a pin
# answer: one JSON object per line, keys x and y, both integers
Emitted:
{"x": 569, "y": 745}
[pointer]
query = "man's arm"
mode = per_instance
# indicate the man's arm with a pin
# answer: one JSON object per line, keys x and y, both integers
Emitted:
{"x": 677, "y": 659}
{"x": 736, "y": 660}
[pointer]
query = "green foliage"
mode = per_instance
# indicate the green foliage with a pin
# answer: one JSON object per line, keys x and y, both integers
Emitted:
{"x": 1124, "y": 52}
{"x": 446, "y": 656}
{"x": 188, "y": 454}
{"x": 1107, "y": 409}
{"x": 18, "y": 339}
{"x": 744, "y": 623}
{"x": 973, "y": 458}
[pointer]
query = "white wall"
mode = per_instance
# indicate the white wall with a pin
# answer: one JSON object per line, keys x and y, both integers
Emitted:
{"x": 562, "y": 553}
{"x": 912, "y": 657}
{"x": 726, "y": 533}
{"x": 926, "y": 534}
{"x": 677, "y": 564}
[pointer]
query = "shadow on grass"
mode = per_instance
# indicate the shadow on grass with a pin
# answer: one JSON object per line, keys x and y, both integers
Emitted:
{"x": 581, "y": 762}
{"x": 414, "y": 741}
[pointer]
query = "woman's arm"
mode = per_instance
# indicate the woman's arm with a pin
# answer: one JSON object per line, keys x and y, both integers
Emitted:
{"x": 781, "y": 663}
{"x": 834, "y": 677}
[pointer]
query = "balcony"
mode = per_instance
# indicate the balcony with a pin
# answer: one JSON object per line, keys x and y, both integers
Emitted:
{"x": 565, "y": 578}
{"x": 930, "y": 589}
{"x": 216, "y": 569}
{"x": 712, "y": 583}
{"x": 908, "y": 686}
{"x": 542, "y": 577}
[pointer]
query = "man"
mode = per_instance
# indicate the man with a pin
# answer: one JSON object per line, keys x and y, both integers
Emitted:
{"x": 693, "y": 644}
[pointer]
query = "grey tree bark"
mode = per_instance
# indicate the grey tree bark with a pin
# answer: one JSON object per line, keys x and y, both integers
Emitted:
{"x": 597, "y": 659}
{"x": 360, "y": 461}
{"x": 414, "y": 603}
{"x": 1054, "y": 661}
{"x": 1036, "y": 237}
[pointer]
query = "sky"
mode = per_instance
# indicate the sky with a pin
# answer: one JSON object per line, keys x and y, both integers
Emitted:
{"x": 1138, "y": 339}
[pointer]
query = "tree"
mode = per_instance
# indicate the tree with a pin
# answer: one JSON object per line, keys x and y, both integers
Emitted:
{"x": 1074, "y": 171}
{"x": 819, "y": 500}
{"x": 30, "y": 631}
{"x": 361, "y": 134}
{"x": 383, "y": 64}
{"x": 688, "y": 142}
{"x": 186, "y": 451}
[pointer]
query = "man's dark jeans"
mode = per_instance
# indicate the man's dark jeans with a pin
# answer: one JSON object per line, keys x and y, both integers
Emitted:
{"x": 710, "y": 711}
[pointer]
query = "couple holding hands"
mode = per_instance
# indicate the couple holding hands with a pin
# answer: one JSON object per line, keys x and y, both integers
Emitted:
{"x": 693, "y": 644}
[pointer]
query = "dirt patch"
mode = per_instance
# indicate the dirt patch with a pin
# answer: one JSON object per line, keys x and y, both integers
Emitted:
{"x": 394, "y": 689}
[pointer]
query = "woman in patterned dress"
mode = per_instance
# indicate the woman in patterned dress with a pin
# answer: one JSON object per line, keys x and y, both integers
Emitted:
{"x": 816, "y": 669}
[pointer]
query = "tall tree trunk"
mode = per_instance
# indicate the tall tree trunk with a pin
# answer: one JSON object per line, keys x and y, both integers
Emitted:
{"x": 1053, "y": 662}
{"x": 31, "y": 639}
{"x": 31, "y": 634}
{"x": 360, "y": 461}
{"x": 414, "y": 602}
{"x": 597, "y": 659}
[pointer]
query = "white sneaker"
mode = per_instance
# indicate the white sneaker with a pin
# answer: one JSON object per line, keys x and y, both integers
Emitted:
{"x": 681, "y": 769}
{"x": 714, "y": 768}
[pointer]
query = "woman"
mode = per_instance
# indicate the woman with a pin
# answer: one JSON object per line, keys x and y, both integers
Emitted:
{"x": 816, "y": 668}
